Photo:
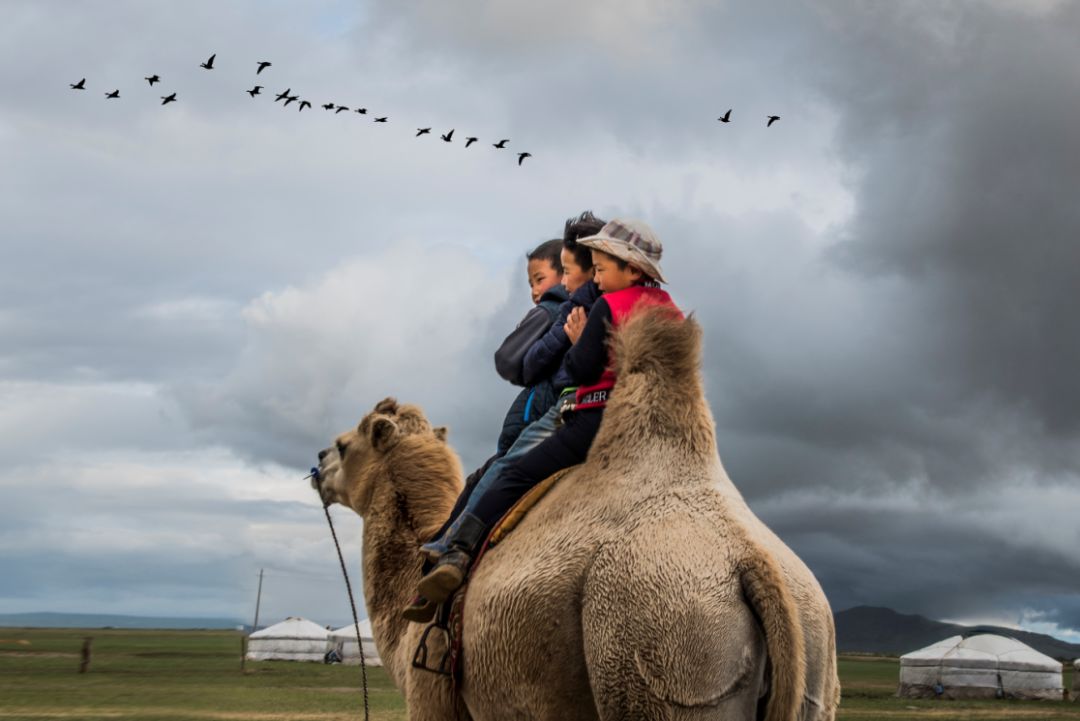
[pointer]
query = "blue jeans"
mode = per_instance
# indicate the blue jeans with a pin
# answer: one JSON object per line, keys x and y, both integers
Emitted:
{"x": 534, "y": 434}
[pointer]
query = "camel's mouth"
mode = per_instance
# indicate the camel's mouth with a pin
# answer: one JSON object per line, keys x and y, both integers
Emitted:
{"x": 324, "y": 476}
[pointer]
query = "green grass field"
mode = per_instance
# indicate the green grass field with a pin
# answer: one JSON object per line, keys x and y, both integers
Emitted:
{"x": 175, "y": 675}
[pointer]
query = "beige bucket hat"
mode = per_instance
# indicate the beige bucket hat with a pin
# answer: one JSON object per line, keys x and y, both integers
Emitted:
{"x": 630, "y": 240}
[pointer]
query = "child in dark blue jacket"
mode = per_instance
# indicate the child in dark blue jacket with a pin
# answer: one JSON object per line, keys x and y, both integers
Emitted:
{"x": 542, "y": 363}
{"x": 545, "y": 272}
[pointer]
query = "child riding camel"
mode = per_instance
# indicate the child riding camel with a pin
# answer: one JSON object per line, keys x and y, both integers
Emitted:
{"x": 626, "y": 260}
{"x": 541, "y": 369}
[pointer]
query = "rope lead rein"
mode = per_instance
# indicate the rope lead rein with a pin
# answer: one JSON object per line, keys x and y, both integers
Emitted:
{"x": 348, "y": 587}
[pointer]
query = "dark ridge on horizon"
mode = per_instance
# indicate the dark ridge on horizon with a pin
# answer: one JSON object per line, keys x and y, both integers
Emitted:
{"x": 875, "y": 629}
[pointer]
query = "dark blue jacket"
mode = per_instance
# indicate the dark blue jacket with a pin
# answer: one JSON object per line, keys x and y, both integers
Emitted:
{"x": 545, "y": 357}
{"x": 539, "y": 394}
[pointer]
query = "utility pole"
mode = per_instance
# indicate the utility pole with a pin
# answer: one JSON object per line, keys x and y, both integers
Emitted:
{"x": 258, "y": 598}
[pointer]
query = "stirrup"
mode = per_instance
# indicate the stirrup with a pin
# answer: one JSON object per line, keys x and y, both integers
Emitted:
{"x": 420, "y": 657}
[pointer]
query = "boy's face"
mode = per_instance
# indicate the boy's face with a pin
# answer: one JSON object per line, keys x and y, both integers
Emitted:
{"x": 573, "y": 277}
{"x": 542, "y": 277}
{"x": 609, "y": 276}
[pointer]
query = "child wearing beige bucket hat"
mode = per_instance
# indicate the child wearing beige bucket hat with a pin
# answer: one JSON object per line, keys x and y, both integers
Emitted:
{"x": 626, "y": 257}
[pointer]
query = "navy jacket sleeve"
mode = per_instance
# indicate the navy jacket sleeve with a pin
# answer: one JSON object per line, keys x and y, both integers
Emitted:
{"x": 509, "y": 356}
{"x": 587, "y": 359}
{"x": 544, "y": 356}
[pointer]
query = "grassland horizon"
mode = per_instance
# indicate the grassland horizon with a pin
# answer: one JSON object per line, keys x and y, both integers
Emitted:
{"x": 189, "y": 675}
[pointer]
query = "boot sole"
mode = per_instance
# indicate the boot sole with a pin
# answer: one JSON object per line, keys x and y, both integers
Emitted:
{"x": 440, "y": 583}
{"x": 420, "y": 614}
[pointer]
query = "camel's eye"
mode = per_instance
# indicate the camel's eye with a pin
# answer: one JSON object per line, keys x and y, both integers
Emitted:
{"x": 341, "y": 449}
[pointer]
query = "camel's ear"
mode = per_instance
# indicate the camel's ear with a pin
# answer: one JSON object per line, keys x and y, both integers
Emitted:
{"x": 384, "y": 434}
{"x": 387, "y": 405}
{"x": 441, "y": 432}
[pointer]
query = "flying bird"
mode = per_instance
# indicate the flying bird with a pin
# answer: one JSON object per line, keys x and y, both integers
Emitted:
{"x": 362, "y": 111}
{"x": 339, "y": 109}
{"x": 522, "y": 156}
{"x": 81, "y": 85}
{"x": 328, "y": 106}
{"x": 263, "y": 65}
{"x": 501, "y": 143}
{"x": 470, "y": 141}
{"x": 283, "y": 95}
{"x": 166, "y": 99}
{"x": 257, "y": 90}
{"x": 152, "y": 79}
{"x": 448, "y": 136}
{"x": 304, "y": 104}
{"x": 772, "y": 119}
{"x": 209, "y": 64}
{"x": 113, "y": 94}
{"x": 380, "y": 120}
{"x": 291, "y": 99}
{"x": 421, "y": 131}
{"x": 726, "y": 117}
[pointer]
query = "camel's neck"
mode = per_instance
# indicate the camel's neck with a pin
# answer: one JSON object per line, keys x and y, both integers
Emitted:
{"x": 392, "y": 563}
{"x": 402, "y": 513}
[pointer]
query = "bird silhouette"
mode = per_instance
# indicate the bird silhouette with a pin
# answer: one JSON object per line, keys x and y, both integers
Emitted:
{"x": 81, "y": 85}
{"x": 328, "y": 106}
{"x": 501, "y": 143}
{"x": 257, "y": 90}
{"x": 726, "y": 117}
{"x": 421, "y": 131}
{"x": 152, "y": 79}
{"x": 166, "y": 99}
{"x": 362, "y": 111}
{"x": 380, "y": 120}
{"x": 448, "y": 136}
{"x": 522, "y": 156}
{"x": 283, "y": 95}
{"x": 470, "y": 141}
{"x": 772, "y": 119}
{"x": 263, "y": 65}
{"x": 291, "y": 99}
{"x": 113, "y": 94}
{"x": 304, "y": 104}
{"x": 209, "y": 64}
{"x": 339, "y": 109}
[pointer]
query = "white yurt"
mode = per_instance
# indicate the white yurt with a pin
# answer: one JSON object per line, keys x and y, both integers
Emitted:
{"x": 980, "y": 665}
{"x": 344, "y": 640}
{"x": 294, "y": 639}
{"x": 1076, "y": 680}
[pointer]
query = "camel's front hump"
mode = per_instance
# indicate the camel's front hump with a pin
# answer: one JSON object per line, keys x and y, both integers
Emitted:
{"x": 522, "y": 628}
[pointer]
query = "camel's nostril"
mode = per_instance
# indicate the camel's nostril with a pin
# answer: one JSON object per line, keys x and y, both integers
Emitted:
{"x": 323, "y": 452}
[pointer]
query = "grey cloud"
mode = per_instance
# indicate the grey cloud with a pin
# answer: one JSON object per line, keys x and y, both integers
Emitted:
{"x": 918, "y": 349}
{"x": 969, "y": 158}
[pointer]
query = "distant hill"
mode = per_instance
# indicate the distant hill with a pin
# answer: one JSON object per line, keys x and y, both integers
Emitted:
{"x": 869, "y": 629}
{"x": 100, "y": 620}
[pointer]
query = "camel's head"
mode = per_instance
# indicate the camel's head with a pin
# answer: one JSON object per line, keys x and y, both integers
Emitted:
{"x": 348, "y": 469}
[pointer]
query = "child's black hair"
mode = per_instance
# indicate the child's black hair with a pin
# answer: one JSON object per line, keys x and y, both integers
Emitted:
{"x": 581, "y": 226}
{"x": 551, "y": 251}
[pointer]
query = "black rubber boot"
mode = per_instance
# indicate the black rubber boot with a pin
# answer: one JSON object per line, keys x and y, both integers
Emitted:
{"x": 450, "y": 571}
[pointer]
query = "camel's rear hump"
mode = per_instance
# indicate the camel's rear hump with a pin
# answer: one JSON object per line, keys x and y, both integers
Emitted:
{"x": 667, "y": 630}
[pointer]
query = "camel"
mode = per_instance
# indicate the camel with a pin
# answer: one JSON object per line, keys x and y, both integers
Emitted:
{"x": 641, "y": 586}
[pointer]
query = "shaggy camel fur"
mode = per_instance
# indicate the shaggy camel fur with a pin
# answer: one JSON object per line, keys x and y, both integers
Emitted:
{"x": 640, "y": 587}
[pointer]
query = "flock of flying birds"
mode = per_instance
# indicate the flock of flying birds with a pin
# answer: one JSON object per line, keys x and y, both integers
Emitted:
{"x": 289, "y": 98}
{"x": 331, "y": 107}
